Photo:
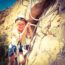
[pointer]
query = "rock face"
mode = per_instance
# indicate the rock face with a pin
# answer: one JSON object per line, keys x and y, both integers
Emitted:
{"x": 49, "y": 39}
{"x": 3, "y": 14}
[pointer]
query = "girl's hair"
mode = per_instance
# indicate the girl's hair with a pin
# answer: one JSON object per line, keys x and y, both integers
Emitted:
{"x": 20, "y": 18}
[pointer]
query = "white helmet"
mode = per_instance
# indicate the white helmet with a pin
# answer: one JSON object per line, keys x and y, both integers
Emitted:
{"x": 20, "y": 16}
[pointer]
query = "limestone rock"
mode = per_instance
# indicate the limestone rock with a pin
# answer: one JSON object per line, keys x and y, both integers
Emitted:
{"x": 48, "y": 42}
{"x": 49, "y": 39}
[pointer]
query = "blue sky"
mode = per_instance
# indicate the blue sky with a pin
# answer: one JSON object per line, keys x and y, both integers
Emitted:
{"x": 4, "y": 4}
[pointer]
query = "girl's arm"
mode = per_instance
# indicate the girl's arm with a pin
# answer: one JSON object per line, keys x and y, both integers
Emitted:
{"x": 23, "y": 34}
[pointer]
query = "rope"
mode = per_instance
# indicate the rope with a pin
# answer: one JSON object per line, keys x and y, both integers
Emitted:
{"x": 56, "y": 7}
{"x": 33, "y": 17}
{"x": 53, "y": 10}
{"x": 30, "y": 12}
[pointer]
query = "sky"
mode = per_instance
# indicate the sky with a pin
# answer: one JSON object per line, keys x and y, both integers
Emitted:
{"x": 4, "y": 4}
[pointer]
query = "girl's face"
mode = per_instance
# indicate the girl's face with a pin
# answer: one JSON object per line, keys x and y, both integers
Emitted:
{"x": 20, "y": 25}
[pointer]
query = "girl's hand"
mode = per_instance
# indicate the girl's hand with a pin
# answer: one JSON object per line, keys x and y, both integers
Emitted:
{"x": 28, "y": 24}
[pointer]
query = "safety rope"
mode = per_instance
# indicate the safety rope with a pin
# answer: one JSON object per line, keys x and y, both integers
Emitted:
{"x": 30, "y": 11}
